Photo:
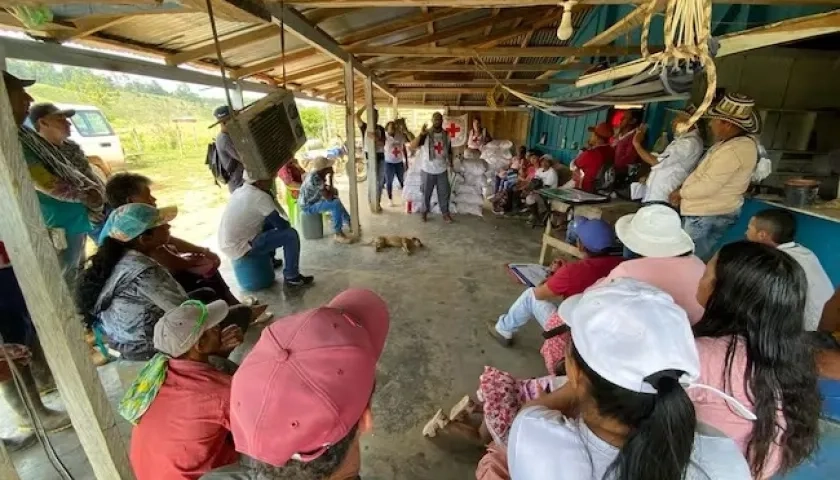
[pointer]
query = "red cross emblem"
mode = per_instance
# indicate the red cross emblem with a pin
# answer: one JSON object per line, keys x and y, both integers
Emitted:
{"x": 439, "y": 148}
{"x": 452, "y": 129}
{"x": 396, "y": 152}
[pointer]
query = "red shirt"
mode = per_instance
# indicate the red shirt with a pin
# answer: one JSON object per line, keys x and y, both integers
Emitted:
{"x": 291, "y": 173}
{"x": 588, "y": 164}
{"x": 186, "y": 431}
{"x": 574, "y": 278}
{"x": 625, "y": 152}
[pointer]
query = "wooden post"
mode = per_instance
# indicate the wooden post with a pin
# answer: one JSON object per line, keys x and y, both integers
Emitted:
{"x": 7, "y": 468}
{"x": 370, "y": 142}
{"x": 53, "y": 311}
{"x": 350, "y": 135}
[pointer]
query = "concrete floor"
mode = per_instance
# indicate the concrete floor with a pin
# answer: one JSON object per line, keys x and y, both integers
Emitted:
{"x": 439, "y": 298}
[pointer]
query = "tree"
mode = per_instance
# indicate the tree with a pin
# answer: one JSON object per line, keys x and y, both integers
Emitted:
{"x": 314, "y": 121}
{"x": 96, "y": 88}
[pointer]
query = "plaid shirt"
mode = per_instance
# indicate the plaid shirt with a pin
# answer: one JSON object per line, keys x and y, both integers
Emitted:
{"x": 311, "y": 191}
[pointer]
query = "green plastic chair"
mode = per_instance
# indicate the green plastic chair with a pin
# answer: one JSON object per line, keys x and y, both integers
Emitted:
{"x": 291, "y": 205}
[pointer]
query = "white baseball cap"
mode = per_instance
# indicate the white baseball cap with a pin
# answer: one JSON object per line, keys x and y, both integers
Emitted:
{"x": 180, "y": 328}
{"x": 629, "y": 332}
{"x": 654, "y": 231}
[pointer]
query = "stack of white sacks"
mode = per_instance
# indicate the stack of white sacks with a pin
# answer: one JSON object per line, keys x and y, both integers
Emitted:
{"x": 473, "y": 174}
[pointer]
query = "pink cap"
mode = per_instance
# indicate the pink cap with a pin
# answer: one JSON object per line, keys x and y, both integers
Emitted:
{"x": 309, "y": 379}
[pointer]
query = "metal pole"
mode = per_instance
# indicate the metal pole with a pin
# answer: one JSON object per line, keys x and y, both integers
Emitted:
{"x": 350, "y": 135}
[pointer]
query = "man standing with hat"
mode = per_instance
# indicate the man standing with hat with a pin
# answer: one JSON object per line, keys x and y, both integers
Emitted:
{"x": 711, "y": 197}
{"x": 301, "y": 399}
{"x": 226, "y": 150}
{"x": 670, "y": 168}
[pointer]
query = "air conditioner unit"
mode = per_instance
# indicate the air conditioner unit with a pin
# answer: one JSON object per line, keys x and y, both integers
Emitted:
{"x": 268, "y": 133}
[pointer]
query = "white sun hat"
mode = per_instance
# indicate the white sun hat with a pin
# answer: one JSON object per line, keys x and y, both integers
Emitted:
{"x": 631, "y": 333}
{"x": 654, "y": 231}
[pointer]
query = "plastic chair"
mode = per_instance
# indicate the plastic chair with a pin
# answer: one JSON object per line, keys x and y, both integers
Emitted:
{"x": 292, "y": 208}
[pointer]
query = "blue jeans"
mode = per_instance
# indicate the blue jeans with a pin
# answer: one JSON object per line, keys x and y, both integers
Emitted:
{"x": 271, "y": 238}
{"x": 339, "y": 214}
{"x": 71, "y": 259}
{"x": 707, "y": 231}
{"x": 523, "y": 309}
{"x": 393, "y": 170}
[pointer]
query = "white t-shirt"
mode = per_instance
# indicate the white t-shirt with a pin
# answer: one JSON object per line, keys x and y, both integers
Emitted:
{"x": 243, "y": 219}
{"x": 545, "y": 445}
{"x": 819, "y": 285}
{"x": 675, "y": 165}
{"x": 395, "y": 148}
{"x": 437, "y": 161}
{"x": 548, "y": 177}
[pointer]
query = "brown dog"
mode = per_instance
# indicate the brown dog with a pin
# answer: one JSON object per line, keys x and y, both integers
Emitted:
{"x": 407, "y": 244}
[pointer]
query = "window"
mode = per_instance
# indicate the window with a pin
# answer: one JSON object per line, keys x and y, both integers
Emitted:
{"x": 91, "y": 123}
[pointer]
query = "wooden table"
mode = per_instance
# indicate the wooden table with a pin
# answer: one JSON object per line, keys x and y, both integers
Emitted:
{"x": 609, "y": 212}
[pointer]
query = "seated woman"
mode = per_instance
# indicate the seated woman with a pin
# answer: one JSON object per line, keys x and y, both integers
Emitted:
{"x": 752, "y": 347}
{"x": 193, "y": 267}
{"x": 514, "y": 185}
{"x": 623, "y": 411}
{"x": 126, "y": 291}
{"x": 292, "y": 176}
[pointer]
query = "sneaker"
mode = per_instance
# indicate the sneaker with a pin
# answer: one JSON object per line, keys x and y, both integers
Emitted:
{"x": 299, "y": 281}
{"x": 503, "y": 341}
{"x": 344, "y": 239}
{"x": 447, "y": 218}
{"x": 425, "y": 217}
{"x": 391, "y": 203}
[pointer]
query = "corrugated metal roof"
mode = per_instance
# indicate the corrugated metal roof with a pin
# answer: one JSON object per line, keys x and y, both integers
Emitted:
{"x": 173, "y": 31}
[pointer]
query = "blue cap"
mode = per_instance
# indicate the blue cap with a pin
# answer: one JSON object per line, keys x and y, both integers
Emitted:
{"x": 596, "y": 235}
{"x": 130, "y": 221}
{"x": 222, "y": 112}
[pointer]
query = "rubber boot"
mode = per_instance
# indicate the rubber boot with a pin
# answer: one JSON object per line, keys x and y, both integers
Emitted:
{"x": 41, "y": 370}
{"x": 52, "y": 420}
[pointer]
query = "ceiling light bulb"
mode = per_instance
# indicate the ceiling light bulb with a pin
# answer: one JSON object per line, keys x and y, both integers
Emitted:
{"x": 566, "y": 30}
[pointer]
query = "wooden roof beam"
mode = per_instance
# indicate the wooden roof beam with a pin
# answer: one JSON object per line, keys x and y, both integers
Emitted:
{"x": 318, "y": 15}
{"x": 298, "y": 25}
{"x": 533, "y": 52}
{"x": 518, "y": 3}
{"x": 356, "y": 39}
{"x": 476, "y": 25}
{"x": 228, "y": 42}
{"x": 493, "y": 67}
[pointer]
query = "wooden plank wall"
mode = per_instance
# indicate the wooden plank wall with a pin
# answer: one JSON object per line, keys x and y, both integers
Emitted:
{"x": 511, "y": 126}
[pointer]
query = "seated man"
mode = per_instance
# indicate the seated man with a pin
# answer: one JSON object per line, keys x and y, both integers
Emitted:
{"x": 252, "y": 225}
{"x": 777, "y": 227}
{"x": 183, "y": 422}
{"x": 595, "y": 237}
{"x": 301, "y": 399}
{"x": 192, "y": 266}
{"x": 590, "y": 168}
{"x": 319, "y": 196}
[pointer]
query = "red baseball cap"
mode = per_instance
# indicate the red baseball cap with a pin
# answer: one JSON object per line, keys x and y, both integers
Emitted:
{"x": 309, "y": 379}
{"x": 603, "y": 130}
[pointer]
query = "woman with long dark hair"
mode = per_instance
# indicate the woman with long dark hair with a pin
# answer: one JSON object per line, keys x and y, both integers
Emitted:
{"x": 624, "y": 413}
{"x": 125, "y": 291}
{"x": 752, "y": 346}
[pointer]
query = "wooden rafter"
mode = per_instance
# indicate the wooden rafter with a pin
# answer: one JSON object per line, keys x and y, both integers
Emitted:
{"x": 349, "y": 41}
{"x": 318, "y": 15}
{"x": 493, "y": 67}
{"x": 460, "y": 52}
{"x": 518, "y": 3}
{"x": 89, "y": 27}
{"x": 228, "y": 42}
{"x": 462, "y": 29}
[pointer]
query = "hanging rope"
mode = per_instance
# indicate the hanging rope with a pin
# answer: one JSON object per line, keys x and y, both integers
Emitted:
{"x": 219, "y": 52}
{"x": 283, "y": 39}
{"x": 688, "y": 32}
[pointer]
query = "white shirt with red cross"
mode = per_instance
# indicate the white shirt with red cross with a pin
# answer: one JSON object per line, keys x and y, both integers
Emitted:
{"x": 395, "y": 148}
{"x": 438, "y": 161}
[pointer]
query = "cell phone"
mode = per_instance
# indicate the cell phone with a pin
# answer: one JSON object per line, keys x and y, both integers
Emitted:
{"x": 557, "y": 331}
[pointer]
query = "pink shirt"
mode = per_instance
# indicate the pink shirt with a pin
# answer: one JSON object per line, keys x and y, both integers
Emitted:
{"x": 186, "y": 431}
{"x": 712, "y": 409}
{"x": 677, "y": 276}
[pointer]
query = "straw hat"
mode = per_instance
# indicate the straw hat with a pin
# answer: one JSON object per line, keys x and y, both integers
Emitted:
{"x": 738, "y": 110}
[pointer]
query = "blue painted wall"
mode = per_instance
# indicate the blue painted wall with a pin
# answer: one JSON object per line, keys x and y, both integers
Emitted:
{"x": 565, "y": 132}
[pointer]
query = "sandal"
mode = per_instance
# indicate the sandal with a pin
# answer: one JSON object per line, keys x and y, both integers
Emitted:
{"x": 463, "y": 409}
{"x": 433, "y": 426}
